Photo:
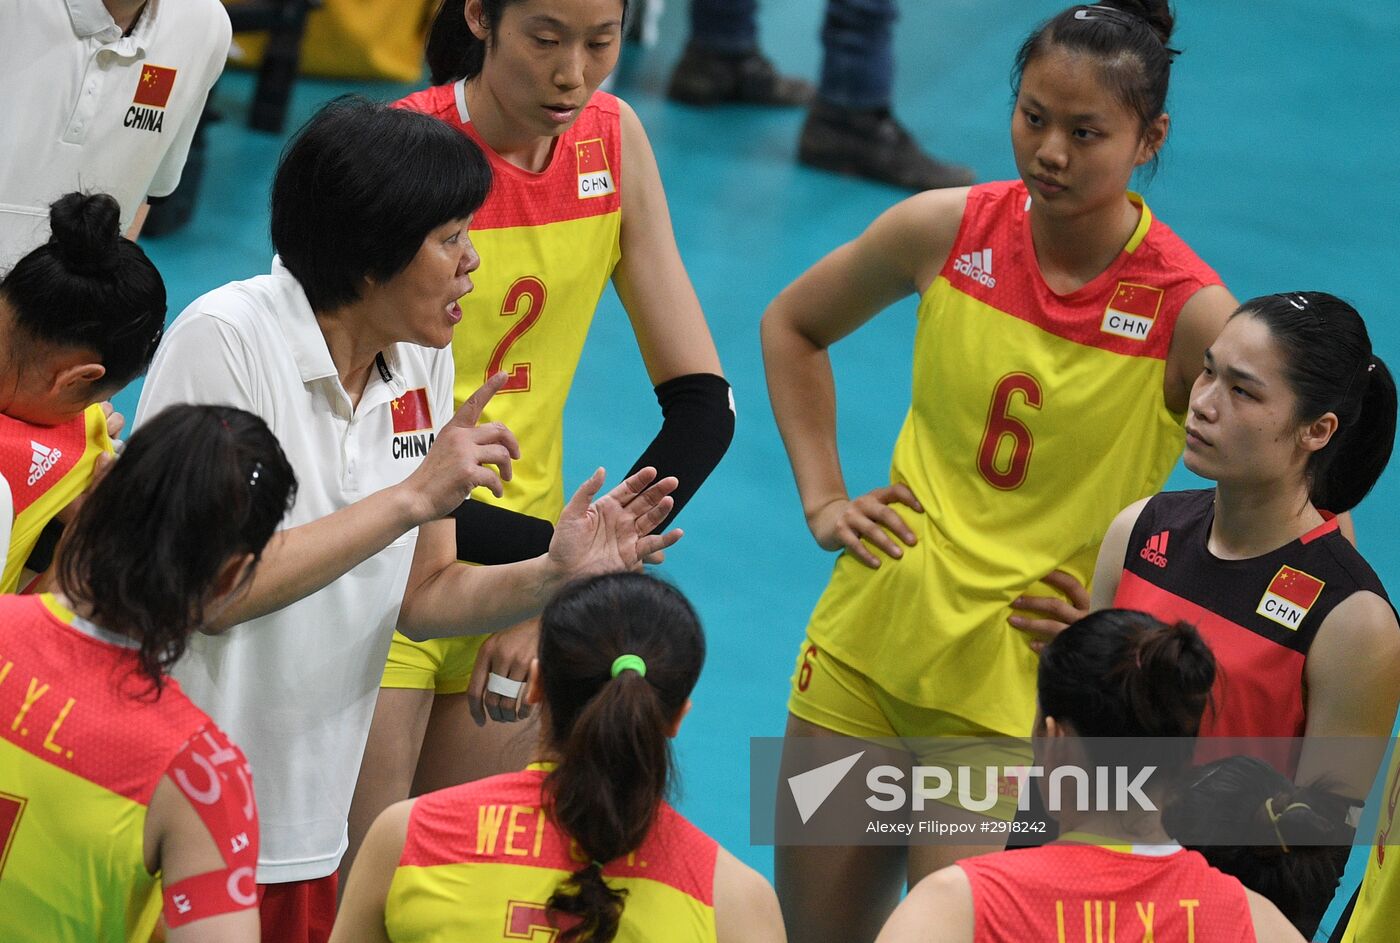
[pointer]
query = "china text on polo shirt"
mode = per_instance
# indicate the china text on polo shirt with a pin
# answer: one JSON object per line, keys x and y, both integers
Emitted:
{"x": 101, "y": 112}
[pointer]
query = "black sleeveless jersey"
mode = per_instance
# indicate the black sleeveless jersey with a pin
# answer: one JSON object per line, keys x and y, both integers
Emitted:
{"x": 1259, "y": 616}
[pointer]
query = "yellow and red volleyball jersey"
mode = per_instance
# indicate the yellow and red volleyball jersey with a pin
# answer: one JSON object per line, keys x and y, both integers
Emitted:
{"x": 1100, "y": 894}
{"x": 1036, "y": 418}
{"x": 1377, "y": 911}
{"x": 83, "y": 744}
{"x": 483, "y": 859}
{"x": 46, "y": 467}
{"x": 549, "y": 242}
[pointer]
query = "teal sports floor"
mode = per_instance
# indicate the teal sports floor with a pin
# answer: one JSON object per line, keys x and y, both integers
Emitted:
{"x": 1280, "y": 172}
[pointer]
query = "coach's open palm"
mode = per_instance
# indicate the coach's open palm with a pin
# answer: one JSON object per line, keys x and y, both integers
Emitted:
{"x": 614, "y": 532}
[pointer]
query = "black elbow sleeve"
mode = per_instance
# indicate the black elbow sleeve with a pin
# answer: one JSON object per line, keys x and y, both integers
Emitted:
{"x": 697, "y": 425}
{"x": 489, "y": 534}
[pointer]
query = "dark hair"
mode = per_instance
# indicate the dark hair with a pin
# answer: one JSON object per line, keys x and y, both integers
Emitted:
{"x": 1121, "y": 673}
{"x": 611, "y": 732}
{"x": 453, "y": 51}
{"x": 194, "y": 487}
{"x": 1127, "y": 38}
{"x": 89, "y": 288}
{"x": 1285, "y": 842}
{"x": 1329, "y": 365}
{"x": 360, "y": 186}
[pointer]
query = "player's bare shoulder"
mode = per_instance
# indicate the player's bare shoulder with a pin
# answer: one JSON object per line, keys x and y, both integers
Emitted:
{"x": 746, "y": 908}
{"x": 922, "y": 229}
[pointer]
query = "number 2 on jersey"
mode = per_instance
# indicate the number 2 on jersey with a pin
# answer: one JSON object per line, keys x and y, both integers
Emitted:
{"x": 525, "y": 300}
{"x": 1009, "y": 473}
{"x": 529, "y": 921}
{"x": 11, "y": 809}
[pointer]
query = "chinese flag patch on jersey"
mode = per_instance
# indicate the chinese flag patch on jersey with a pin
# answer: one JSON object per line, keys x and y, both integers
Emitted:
{"x": 154, "y": 86}
{"x": 1132, "y": 310}
{"x": 1289, "y": 597}
{"x": 594, "y": 177}
{"x": 411, "y": 413}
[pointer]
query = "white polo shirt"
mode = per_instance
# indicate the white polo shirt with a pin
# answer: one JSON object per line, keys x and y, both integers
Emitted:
{"x": 296, "y": 689}
{"x": 86, "y": 108}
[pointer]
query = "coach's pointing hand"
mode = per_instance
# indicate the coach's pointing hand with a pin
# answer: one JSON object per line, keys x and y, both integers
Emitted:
{"x": 461, "y": 457}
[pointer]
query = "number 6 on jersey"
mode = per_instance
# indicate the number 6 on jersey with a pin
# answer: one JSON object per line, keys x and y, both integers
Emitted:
{"x": 1009, "y": 473}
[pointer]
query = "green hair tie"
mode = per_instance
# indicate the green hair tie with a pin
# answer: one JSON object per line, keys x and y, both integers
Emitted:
{"x": 629, "y": 663}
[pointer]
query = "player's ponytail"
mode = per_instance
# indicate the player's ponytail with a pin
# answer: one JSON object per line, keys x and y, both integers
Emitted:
{"x": 1286, "y": 842}
{"x": 89, "y": 288}
{"x": 610, "y": 718}
{"x": 453, "y": 52}
{"x": 1330, "y": 367}
{"x": 195, "y": 487}
{"x": 1123, "y": 674}
{"x": 1128, "y": 39}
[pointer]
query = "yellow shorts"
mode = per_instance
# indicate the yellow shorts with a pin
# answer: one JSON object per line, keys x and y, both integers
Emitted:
{"x": 443, "y": 665}
{"x": 831, "y": 694}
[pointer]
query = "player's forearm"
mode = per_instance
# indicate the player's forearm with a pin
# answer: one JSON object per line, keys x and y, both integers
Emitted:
{"x": 803, "y": 395}
{"x": 461, "y": 599}
{"x": 302, "y": 560}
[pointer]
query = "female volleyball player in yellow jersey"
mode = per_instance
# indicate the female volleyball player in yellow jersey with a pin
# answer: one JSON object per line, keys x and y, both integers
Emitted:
{"x": 120, "y": 800}
{"x": 80, "y": 316}
{"x": 581, "y": 845}
{"x": 1060, "y": 327}
{"x": 576, "y": 199}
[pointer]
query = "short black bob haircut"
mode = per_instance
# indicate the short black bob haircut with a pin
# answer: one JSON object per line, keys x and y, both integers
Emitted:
{"x": 358, "y": 189}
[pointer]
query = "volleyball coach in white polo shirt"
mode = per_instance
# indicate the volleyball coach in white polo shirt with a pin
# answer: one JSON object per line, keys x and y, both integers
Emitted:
{"x": 344, "y": 350}
{"x": 100, "y": 96}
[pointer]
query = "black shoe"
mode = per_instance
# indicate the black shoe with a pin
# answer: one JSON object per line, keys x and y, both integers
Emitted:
{"x": 873, "y": 144}
{"x": 709, "y": 78}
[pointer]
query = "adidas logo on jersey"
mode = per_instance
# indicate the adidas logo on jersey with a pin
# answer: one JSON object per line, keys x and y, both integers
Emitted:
{"x": 976, "y": 266}
{"x": 1155, "y": 552}
{"x": 42, "y": 460}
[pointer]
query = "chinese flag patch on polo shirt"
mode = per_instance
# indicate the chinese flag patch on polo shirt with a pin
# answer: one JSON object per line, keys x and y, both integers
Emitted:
{"x": 411, "y": 413}
{"x": 154, "y": 86}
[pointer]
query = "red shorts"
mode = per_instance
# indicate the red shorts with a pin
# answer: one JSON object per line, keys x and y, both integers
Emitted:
{"x": 298, "y": 912}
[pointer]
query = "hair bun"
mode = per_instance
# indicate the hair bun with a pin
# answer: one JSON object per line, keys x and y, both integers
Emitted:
{"x": 86, "y": 231}
{"x": 1173, "y": 665}
{"x": 1156, "y": 13}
